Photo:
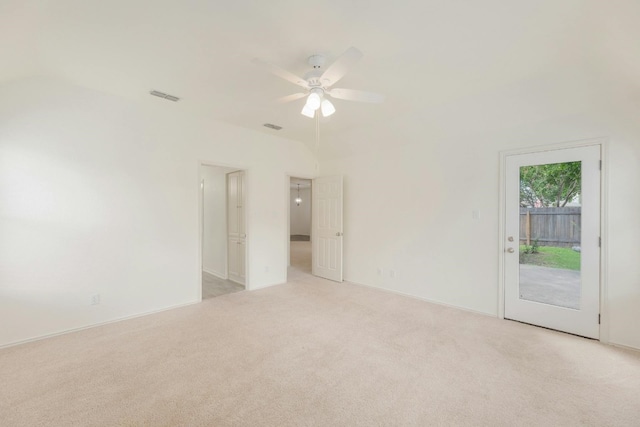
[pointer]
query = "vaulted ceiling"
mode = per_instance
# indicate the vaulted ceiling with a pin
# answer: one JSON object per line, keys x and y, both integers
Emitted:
{"x": 429, "y": 58}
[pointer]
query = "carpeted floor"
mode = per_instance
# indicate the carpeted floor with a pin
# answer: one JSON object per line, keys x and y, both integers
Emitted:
{"x": 300, "y": 258}
{"x": 317, "y": 353}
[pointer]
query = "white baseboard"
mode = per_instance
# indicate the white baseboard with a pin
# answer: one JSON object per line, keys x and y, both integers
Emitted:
{"x": 432, "y": 301}
{"x": 237, "y": 280}
{"x": 94, "y": 325}
{"x": 268, "y": 285}
{"x": 215, "y": 273}
{"x": 622, "y": 346}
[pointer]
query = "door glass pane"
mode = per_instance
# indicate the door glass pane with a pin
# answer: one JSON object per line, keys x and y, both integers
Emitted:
{"x": 550, "y": 212}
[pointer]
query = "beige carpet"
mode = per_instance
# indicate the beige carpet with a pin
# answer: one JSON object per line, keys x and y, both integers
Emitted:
{"x": 317, "y": 353}
{"x": 300, "y": 258}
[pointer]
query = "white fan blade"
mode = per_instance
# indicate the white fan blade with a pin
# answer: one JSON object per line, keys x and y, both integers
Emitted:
{"x": 281, "y": 73}
{"x": 340, "y": 66}
{"x": 356, "y": 95}
{"x": 290, "y": 98}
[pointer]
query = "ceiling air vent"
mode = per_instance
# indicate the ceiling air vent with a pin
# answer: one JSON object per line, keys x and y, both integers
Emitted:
{"x": 272, "y": 126}
{"x": 164, "y": 95}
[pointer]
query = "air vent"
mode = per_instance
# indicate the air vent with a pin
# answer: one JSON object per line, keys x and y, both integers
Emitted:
{"x": 272, "y": 126}
{"x": 164, "y": 95}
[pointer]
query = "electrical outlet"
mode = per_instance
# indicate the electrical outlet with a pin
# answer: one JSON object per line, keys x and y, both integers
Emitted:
{"x": 392, "y": 273}
{"x": 95, "y": 299}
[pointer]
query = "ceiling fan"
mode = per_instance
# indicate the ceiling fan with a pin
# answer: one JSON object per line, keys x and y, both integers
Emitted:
{"x": 318, "y": 83}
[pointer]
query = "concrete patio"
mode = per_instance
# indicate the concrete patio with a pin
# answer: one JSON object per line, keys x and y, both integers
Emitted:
{"x": 553, "y": 286}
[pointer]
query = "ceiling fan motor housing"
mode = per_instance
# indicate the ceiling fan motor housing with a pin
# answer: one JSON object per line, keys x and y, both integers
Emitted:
{"x": 313, "y": 76}
{"x": 317, "y": 61}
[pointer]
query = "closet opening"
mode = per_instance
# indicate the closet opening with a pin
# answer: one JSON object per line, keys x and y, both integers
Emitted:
{"x": 222, "y": 230}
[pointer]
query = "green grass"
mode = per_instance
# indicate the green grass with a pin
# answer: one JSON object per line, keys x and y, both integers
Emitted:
{"x": 552, "y": 257}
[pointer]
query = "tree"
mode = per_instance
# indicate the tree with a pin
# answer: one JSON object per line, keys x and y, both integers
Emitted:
{"x": 549, "y": 185}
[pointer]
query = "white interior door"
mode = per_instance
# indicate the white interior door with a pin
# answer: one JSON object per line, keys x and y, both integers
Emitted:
{"x": 327, "y": 228}
{"x": 236, "y": 226}
{"x": 552, "y": 254}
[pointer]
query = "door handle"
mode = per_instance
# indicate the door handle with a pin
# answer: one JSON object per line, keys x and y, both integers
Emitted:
{"x": 511, "y": 250}
{"x": 338, "y": 234}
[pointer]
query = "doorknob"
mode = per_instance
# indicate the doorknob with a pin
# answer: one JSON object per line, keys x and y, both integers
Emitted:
{"x": 511, "y": 250}
{"x": 510, "y": 238}
{"x": 338, "y": 234}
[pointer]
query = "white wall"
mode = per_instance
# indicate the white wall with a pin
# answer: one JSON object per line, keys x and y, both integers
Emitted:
{"x": 408, "y": 208}
{"x": 301, "y": 215}
{"x": 101, "y": 195}
{"x": 214, "y": 233}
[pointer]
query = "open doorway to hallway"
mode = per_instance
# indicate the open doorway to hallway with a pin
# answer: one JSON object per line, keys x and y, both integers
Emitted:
{"x": 222, "y": 230}
{"x": 300, "y": 224}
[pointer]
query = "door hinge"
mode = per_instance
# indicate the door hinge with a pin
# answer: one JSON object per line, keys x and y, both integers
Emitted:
{"x": 599, "y": 242}
{"x": 600, "y": 165}
{"x": 598, "y": 319}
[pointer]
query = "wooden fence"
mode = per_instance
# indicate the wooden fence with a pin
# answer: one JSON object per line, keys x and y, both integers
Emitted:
{"x": 550, "y": 226}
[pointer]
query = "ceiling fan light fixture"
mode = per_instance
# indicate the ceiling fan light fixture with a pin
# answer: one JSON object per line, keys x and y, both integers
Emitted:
{"x": 327, "y": 108}
{"x": 313, "y": 101}
{"x": 298, "y": 199}
{"x": 309, "y": 112}
{"x": 318, "y": 83}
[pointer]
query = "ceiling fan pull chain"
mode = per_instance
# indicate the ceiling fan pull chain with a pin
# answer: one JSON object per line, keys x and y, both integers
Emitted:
{"x": 317, "y": 133}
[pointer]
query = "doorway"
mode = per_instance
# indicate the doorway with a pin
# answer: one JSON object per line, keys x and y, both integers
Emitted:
{"x": 223, "y": 237}
{"x": 551, "y": 257}
{"x": 300, "y": 234}
{"x": 322, "y": 255}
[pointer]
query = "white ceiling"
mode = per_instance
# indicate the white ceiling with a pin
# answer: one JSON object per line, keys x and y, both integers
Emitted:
{"x": 423, "y": 55}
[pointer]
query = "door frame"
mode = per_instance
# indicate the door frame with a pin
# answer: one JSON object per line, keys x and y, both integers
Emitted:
{"x": 287, "y": 201}
{"x": 603, "y": 142}
{"x": 200, "y": 207}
